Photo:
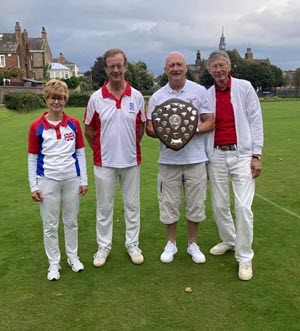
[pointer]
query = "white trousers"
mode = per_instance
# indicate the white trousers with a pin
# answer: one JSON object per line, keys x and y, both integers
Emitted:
{"x": 59, "y": 195}
{"x": 105, "y": 181}
{"x": 222, "y": 166}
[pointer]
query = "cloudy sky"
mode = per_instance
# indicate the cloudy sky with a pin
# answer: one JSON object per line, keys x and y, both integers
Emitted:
{"x": 148, "y": 30}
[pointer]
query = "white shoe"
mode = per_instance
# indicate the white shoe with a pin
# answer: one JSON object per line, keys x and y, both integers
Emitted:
{"x": 221, "y": 249}
{"x": 75, "y": 264}
{"x": 197, "y": 256}
{"x": 53, "y": 272}
{"x": 169, "y": 252}
{"x": 245, "y": 270}
{"x": 135, "y": 254}
{"x": 100, "y": 257}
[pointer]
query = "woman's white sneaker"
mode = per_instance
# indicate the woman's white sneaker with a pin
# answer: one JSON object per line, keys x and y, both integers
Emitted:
{"x": 53, "y": 272}
{"x": 75, "y": 264}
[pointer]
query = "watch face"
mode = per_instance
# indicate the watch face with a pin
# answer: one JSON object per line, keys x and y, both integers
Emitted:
{"x": 256, "y": 157}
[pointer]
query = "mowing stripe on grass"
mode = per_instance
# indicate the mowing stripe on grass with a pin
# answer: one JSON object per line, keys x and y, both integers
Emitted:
{"x": 276, "y": 205}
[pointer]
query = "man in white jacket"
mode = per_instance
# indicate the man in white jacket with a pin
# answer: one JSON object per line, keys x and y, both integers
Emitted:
{"x": 234, "y": 150}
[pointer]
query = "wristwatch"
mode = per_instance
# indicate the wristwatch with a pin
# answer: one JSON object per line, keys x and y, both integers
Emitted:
{"x": 256, "y": 156}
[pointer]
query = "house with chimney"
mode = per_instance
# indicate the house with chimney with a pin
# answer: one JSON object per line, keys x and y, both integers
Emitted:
{"x": 30, "y": 55}
{"x": 40, "y": 54}
{"x": 14, "y": 52}
{"x": 62, "y": 68}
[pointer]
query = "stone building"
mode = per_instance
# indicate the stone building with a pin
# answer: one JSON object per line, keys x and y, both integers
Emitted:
{"x": 200, "y": 65}
{"x": 14, "y": 52}
{"x": 74, "y": 69}
{"x": 30, "y": 55}
{"x": 40, "y": 53}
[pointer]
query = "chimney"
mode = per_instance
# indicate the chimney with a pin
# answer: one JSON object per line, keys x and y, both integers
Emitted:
{"x": 25, "y": 37}
{"x": 61, "y": 59}
{"x": 18, "y": 33}
{"x": 44, "y": 34}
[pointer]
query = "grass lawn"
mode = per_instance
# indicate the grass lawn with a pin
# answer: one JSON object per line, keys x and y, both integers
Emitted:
{"x": 122, "y": 296}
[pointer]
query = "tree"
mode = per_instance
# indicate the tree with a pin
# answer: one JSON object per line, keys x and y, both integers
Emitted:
{"x": 278, "y": 76}
{"x": 10, "y": 72}
{"x": 189, "y": 75}
{"x": 206, "y": 79}
{"x": 72, "y": 82}
{"x": 138, "y": 76}
{"x": 296, "y": 79}
{"x": 97, "y": 72}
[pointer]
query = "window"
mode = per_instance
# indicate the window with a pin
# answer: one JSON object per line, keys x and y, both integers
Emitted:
{"x": 2, "y": 60}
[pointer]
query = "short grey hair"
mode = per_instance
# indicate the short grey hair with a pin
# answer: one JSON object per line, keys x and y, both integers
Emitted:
{"x": 216, "y": 54}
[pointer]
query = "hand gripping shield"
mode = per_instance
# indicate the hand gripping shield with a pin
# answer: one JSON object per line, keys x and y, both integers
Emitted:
{"x": 175, "y": 122}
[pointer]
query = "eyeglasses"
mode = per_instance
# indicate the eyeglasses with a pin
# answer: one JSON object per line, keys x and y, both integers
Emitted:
{"x": 56, "y": 98}
{"x": 113, "y": 66}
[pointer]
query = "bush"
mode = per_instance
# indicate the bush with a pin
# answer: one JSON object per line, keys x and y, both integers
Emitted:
{"x": 78, "y": 99}
{"x": 23, "y": 102}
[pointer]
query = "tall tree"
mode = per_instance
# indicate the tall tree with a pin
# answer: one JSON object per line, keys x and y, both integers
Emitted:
{"x": 138, "y": 76}
{"x": 206, "y": 79}
{"x": 97, "y": 72}
{"x": 278, "y": 76}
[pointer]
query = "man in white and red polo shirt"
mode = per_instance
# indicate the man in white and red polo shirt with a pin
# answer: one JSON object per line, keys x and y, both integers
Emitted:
{"x": 114, "y": 126}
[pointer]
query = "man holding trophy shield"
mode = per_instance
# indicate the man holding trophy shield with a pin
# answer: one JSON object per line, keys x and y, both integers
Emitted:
{"x": 180, "y": 115}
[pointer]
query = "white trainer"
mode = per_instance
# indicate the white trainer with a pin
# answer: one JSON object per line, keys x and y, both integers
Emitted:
{"x": 135, "y": 253}
{"x": 53, "y": 272}
{"x": 221, "y": 249}
{"x": 75, "y": 264}
{"x": 169, "y": 252}
{"x": 245, "y": 270}
{"x": 197, "y": 256}
{"x": 100, "y": 257}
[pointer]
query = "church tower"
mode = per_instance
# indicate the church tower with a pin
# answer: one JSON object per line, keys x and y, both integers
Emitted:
{"x": 198, "y": 59}
{"x": 222, "y": 45}
{"x": 249, "y": 54}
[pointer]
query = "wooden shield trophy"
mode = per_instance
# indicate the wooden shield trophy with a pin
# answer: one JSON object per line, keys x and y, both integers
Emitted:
{"x": 175, "y": 122}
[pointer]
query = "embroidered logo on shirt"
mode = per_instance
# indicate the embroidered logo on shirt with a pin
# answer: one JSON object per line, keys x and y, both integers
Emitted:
{"x": 131, "y": 106}
{"x": 69, "y": 136}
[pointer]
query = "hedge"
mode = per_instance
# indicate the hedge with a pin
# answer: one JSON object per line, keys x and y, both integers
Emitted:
{"x": 23, "y": 102}
{"x": 78, "y": 99}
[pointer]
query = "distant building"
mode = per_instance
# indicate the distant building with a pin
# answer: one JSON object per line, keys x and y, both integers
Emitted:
{"x": 200, "y": 65}
{"x": 58, "y": 71}
{"x": 30, "y": 55}
{"x": 72, "y": 66}
{"x": 14, "y": 52}
{"x": 40, "y": 54}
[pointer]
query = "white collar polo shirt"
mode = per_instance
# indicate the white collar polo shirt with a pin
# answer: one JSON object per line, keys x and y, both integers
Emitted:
{"x": 116, "y": 126}
{"x": 55, "y": 146}
{"x": 194, "y": 151}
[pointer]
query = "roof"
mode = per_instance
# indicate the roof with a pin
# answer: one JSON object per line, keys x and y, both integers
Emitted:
{"x": 56, "y": 60}
{"x": 57, "y": 66}
{"x": 8, "y": 42}
{"x": 36, "y": 44}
